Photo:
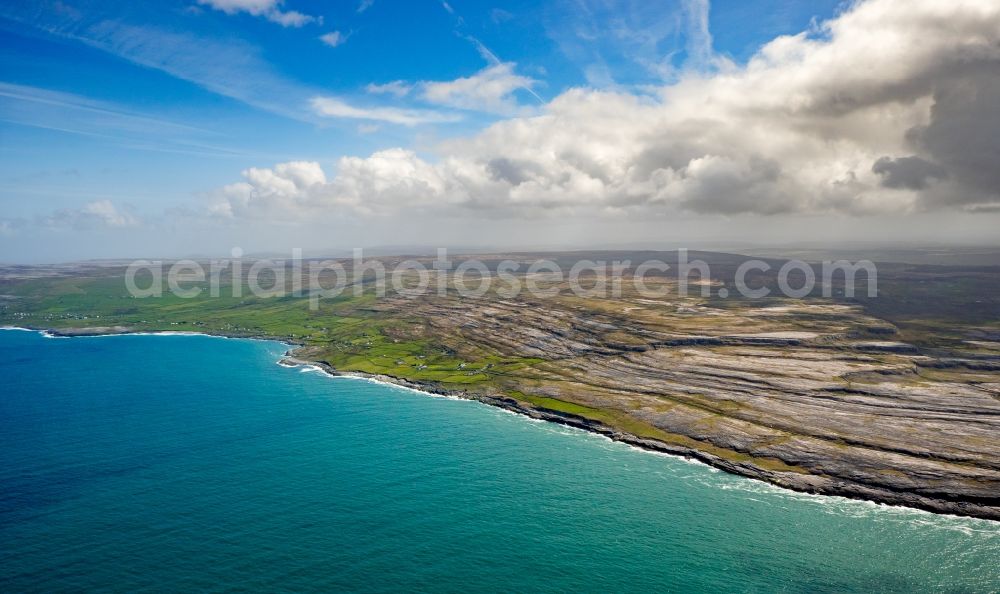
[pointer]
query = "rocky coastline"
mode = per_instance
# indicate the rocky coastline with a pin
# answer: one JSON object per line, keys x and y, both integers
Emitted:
{"x": 803, "y": 483}
{"x": 842, "y": 479}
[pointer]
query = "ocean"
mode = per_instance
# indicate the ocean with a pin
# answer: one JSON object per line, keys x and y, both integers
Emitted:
{"x": 192, "y": 463}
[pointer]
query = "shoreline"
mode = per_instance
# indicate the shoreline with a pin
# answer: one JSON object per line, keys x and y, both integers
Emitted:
{"x": 294, "y": 363}
{"x": 786, "y": 480}
{"x": 801, "y": 483}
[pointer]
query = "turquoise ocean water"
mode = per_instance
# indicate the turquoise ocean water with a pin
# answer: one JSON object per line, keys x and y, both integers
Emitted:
{"x": 189, "y": 463}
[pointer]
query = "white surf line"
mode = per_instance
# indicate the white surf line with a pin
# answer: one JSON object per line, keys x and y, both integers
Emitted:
{"x": 309, "y": 367}
{"x": 747, "y": 484}
{"x": 48, "y": 333}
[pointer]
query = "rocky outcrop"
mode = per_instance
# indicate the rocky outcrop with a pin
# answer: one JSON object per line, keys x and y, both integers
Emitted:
{"x": 800, "y": 397}
{"x": 820, "y": 468}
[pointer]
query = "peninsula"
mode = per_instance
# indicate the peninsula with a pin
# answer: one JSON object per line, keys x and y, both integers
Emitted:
{"x": 893, "y": 399}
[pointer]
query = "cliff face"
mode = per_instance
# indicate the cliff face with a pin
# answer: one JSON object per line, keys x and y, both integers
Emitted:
{"x": 813, "y": 396}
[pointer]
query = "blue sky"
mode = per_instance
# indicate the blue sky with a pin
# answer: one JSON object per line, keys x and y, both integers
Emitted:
{"x": 57, "y": 154}
{"x": 152, "y": 106}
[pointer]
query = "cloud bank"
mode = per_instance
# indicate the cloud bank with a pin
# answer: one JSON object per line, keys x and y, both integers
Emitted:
{"x": 888, "y": 108}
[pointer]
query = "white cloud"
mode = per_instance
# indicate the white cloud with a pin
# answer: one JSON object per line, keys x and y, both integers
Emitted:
{"x": 333, "y": 38}
{"x": 698, "y": 37}
{"x": 254, "y": 7}
{"x": 888, "y": 108}
{"x": 335, "y": 108}
{"x": 365, "y": 5}
{"x": 499, "y": 15}
{"x": 396, "y": 88}
{"x": 93, "y": 215}
{"x": 10, "y": 227}
{"x": 491, "y": 89}
{"x": 269, "y": 191}
{"x": 269, "y": 9}
{"x": 485, "y": 52}
{"x": 292, "y": 18}
{"x": 108, "y": 214}
{"x": 371, "y": 186}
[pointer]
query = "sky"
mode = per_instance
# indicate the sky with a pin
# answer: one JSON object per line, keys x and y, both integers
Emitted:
{"x": 178, "y": 128}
